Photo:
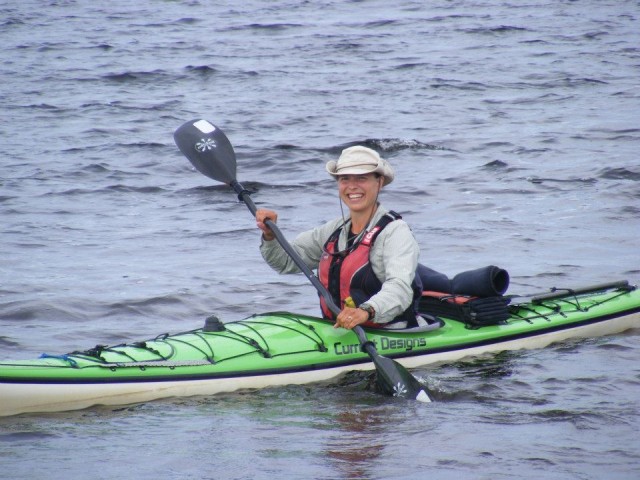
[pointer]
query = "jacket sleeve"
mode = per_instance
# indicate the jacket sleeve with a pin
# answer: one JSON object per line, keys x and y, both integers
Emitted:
{"x": 394, "y": 259}
{"x": 308, "y": 245}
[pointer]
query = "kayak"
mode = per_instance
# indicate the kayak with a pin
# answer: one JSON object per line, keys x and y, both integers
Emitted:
{"x": 281, "y": 348}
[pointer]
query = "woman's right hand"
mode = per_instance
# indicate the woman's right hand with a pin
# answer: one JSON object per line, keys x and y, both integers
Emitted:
{"x": 262, "y": 214}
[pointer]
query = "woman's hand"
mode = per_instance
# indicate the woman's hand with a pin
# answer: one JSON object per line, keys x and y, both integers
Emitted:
{"x": 262, "y": 214}
{"x": 350, "y": 317}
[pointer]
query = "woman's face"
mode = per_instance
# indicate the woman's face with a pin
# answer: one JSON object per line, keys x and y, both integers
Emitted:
{"x": 359, "y": 192}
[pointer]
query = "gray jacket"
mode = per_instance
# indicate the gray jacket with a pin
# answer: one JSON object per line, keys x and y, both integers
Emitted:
{"x": 393, "y": 257}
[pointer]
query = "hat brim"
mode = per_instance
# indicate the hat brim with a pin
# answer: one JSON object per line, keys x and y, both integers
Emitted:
{"x": 382, "y": 169}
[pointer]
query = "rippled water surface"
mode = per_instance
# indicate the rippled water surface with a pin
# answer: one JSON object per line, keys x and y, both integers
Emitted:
{"x": 514, "y": 131}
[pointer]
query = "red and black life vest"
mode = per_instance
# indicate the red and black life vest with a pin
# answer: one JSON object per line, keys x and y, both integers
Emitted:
{"x": 349, "y": 273}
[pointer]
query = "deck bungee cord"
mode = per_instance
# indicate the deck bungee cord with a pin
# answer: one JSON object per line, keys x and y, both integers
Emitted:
{"x": 204, "y": 346}
{"x": 572, "y": 298}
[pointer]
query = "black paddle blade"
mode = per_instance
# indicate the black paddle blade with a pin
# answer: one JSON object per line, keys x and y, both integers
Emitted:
{"x": 208, "y": 149}
{"x": 396, "y": 380}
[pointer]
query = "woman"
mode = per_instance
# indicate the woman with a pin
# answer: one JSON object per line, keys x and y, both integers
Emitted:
{"x": 366, "y": 261}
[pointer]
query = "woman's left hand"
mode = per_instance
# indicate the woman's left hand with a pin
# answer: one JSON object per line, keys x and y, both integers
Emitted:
{"x": 350, "y": 317}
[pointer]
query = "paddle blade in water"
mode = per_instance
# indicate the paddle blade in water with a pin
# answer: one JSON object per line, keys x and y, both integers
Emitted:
{"x": 396, "y": 380}
{"x": 208, "y": 149}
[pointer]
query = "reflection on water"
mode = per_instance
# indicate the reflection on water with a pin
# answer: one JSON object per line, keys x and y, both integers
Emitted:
{"x": 357, "y": 442}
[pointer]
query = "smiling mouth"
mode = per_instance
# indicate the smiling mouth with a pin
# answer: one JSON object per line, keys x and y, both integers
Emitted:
{"x": 355, "y": 196}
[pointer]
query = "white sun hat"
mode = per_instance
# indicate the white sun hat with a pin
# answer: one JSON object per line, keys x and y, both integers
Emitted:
{"x": 359, "y": 160}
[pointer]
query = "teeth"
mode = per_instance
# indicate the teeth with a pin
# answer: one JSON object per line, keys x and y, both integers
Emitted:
{"x": 355, "y": 195}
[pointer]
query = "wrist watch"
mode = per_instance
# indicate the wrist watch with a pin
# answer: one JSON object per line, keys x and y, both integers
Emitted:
{"x": 370, "y": 311}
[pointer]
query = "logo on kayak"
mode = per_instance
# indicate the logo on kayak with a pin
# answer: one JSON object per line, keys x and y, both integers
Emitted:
{"x": 407, "y": 344}
{"x": 385, "y": 343}
{"x": 205, "y": 144}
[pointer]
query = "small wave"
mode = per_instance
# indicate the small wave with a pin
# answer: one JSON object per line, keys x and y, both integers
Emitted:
{"x": 582, "y": 420}
{"x": 126, "y": 77}
{"x": 144, "y": 307}
{"x": 540, "y": 462}
{"x": 125, "y": 106}
{"x": 614, "y": 347}
{"x": 539, "y": 180}
{"x": 495, "y": 30}
{"x": 33, "y": 310}
{"x": 620, "y": 173}
{"x": 546, "y": 275}
{"x": 44, "y": 106}
{"x": 103, "y": 46}
{"x": 128, "y": 188}
{"x": 494, "y": 144}
{"x": 345, "y": 45}
{"x": 265, "y": 26}
{"x": 12, "y": 21}
{"x": 28, "y": 437}
{"x": 208, "y": 189}
{"x": 151, "y": 146}
{"x": 380, "y": 23}
{"x": 453, "y": 16}
{"x": 142, "y": 145}
{"x": 109, "y": 189}
{"x": 626, "y": 212}
{"x": 162, "y": 300}
{"x": 392, "y": 145}
{"x": 572, "y": 82}
{"x": 595, "y": 35}
{"x": 387, "y": 145}
{"x": 120, "y": 77}
{"x": 286, "y": 146}
{"x": 188, "y": 20}
{"x": 624, "y": 135}
{"x": 529, "y": 151}
{"x": 203, "y": 70}
{"x": 410, "y": 66}
{"x": 95, "y": 168}
{"x": 540, "y": 42}
{"x": 495, "y": 165}
{"x": 5, "y": 342}
{"x": 552, "y": 84}
{"x": 549, "y": 97}
{"x": 48, "y": 47}
{"x": 442, "y": 83}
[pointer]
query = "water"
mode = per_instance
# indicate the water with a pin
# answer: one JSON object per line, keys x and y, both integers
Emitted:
{"x": 513, "y": 128}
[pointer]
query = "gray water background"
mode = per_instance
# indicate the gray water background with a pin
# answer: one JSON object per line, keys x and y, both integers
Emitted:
{"x": 514, "y": 129}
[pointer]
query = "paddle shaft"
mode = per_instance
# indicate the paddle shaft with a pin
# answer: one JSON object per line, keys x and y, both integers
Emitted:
{"x": 244, "y": 195}
{"x": 556, "y": 293}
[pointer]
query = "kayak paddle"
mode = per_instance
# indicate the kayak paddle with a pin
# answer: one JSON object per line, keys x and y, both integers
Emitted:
{"x": 559, "y": 292}
{"x": 211, "y": 153}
